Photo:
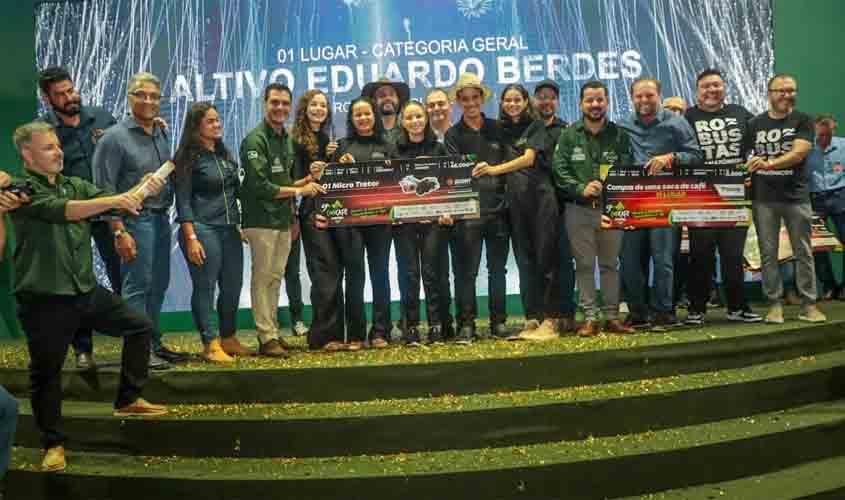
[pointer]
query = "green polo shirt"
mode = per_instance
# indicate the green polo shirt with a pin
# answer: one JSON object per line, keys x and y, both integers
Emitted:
{"x": 53, "y": 255}
{"x": 579, "y": 156}
{"x": 267, "y": 159}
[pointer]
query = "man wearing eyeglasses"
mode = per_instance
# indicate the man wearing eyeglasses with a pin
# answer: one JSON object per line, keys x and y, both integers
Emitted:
{"x": 781, "y": 138}
{"x": 134, "y": 147}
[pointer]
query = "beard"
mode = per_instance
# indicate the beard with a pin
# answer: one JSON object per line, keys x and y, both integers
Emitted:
{"x": 72, "y": 108}
{"x": 591, "y": 116}
{"x": 388, "y": 109}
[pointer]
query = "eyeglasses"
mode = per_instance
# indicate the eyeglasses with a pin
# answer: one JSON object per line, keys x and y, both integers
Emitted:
{"x": 784, "y": 91}
{"x": 144, "y": 96}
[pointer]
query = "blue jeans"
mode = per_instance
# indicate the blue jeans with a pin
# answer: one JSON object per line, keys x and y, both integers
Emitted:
{"x": 8, "y": 423}
{"x": 661, "y": 243}
{"x": 146, "y": 277}
{"x": 223, "y": 268}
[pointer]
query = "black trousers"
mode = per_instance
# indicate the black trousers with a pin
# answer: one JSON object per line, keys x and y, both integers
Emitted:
{"x": 104, "y": 239}
{"x": 50, "y": 322}
{"x": 418, "y": 254}
{"x": 293, "y": 285}
{"x": 534, "y": 225}
{"x": 492, "y": 231}
{"x": 703, "y": 243}
{"x": 352, "y": 241}
{"x": 449, "y": 260}
{"x": 322, "y": 258}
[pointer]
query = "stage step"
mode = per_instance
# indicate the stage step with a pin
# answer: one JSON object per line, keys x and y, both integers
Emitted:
{"x": 488, "y": 367}
{"x": 821, "y": 479}
{"x": 452, "y": 422}
{"x": 591, "y": 468}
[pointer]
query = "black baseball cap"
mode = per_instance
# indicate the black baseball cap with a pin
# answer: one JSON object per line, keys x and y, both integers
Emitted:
{"x": 551, "y": 84}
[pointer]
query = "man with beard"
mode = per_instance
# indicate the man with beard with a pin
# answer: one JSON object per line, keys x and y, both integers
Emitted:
{"x": 781, "y": 138}
{"x": 827, "y": 191}
{"x": 388, "y": 97}
{"x": 132, "y": 148}
{"x": 483, "y": 137}
{"x": 720, "y": 129}
{"x": 79, "y": 128}
{"x": 581, "y": 150}
{"x": 659, "y": 140}
{"x": 439, "y": 108}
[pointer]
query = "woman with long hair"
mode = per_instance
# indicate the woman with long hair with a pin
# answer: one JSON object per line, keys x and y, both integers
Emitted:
{"x": 313, "y": 146}
{"x": 419, "y": 244}
{"x": 528, "y": 188}
{"x": 207, "y": 186}
{"x": 364, "y": 142}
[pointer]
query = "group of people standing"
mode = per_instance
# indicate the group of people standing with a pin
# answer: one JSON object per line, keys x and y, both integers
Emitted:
{"x": 540, "y": 185}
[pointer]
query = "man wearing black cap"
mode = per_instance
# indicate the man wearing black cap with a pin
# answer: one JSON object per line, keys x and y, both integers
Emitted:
{"x": 538, "y": 244}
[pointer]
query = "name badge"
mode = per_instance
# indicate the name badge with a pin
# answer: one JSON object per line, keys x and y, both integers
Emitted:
{"x": 578, "y": 157}
{"x": 277, "y": 166}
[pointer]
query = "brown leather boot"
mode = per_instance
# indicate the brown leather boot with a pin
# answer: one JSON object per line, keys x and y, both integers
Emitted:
{"x": 616, "y": 326}
{"x": 565, "y": 326}
{"x": 589, "y": 329}
{"x": 233, "y": 347}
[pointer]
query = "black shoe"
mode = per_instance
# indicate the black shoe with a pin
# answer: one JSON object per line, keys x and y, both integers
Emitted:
{"x": 411, "y": 336}
{"x": 85, "y": 361}
{"x": 500, "y": 331}
{"x": 448, "y": 330}
{"x": 171, "y": 356}
{"x": 715, "y": 300}
{"x": 637, "y": 322}
{"x": 435, "y": 334}
{"x": 156, "y": 363}
{"x": 466, "y": 335}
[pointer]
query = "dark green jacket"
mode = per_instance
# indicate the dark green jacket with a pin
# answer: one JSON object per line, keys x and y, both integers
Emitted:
{"x": 579, "y": 155}
{"x": 267, "y": 159}
{"x": 53, "y": 255}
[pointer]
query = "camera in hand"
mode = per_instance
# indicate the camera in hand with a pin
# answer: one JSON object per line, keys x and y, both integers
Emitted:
{"x": 19, "y": 187}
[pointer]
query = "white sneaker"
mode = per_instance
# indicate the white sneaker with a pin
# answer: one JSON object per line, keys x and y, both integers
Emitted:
{"x": 811, "y": 314}
{"x": 300, "y": 329}
{"x": 775, "y": 315}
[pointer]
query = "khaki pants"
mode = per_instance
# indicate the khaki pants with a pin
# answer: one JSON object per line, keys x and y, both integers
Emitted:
{"x": 589, "y": 243}
{"x": 269, "y": 249}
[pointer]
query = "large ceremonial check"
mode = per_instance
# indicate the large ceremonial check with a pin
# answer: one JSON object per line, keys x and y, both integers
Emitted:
{"x": 635, "y": 199}
{"x": 406, "y": 190}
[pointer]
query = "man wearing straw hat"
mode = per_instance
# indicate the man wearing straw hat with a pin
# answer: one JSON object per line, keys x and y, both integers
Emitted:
{"x": 477, "y": 135}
